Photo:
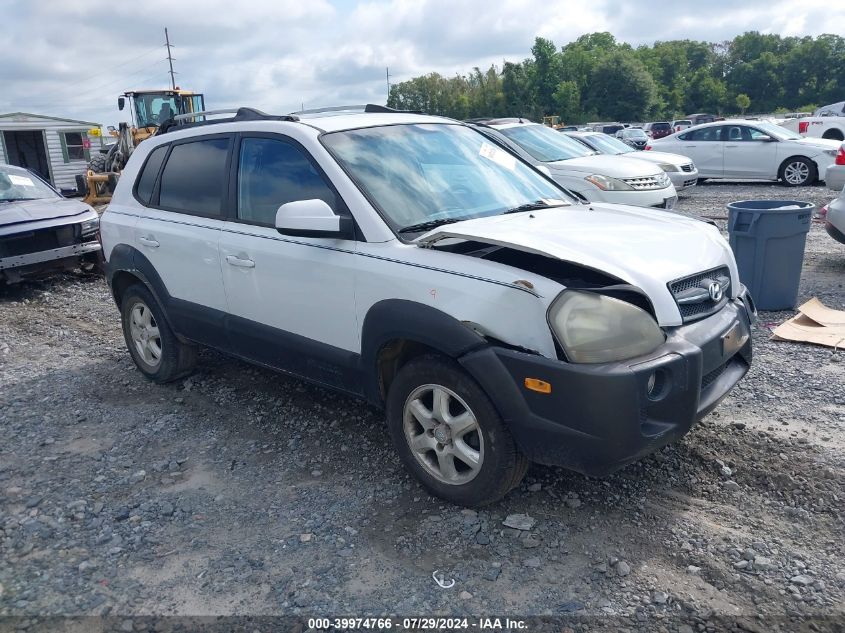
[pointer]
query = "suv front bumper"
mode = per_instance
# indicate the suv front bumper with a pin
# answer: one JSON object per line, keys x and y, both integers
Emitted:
{"x": 598, "y": 418}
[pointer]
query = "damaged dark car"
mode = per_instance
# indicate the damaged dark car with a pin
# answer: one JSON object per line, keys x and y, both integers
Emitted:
{"x": 41, "y": 231}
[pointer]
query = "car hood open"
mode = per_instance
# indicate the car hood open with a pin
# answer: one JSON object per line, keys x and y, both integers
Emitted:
{"x": 605, "y": 165}
{"x": 42, "y": 209}
{"x": 643, "y": 247}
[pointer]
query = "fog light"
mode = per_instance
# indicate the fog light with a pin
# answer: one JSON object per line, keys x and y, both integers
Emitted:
{"x": 656, "y": 385}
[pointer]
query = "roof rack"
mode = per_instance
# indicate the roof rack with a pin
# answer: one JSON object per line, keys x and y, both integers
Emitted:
{"x": 368, "y": 108}
{"x": 240, "y": 114}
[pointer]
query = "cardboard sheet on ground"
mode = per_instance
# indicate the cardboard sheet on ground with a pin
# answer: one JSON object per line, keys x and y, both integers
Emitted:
{"x": 814, "y": 323}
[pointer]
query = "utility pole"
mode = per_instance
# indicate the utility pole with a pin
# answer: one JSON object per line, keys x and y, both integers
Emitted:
{"x": 170, "y": 60}
{"x": 387, "y": 78}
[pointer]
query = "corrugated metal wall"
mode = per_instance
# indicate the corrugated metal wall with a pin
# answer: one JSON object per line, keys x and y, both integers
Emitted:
{"x": 63, "y": 174}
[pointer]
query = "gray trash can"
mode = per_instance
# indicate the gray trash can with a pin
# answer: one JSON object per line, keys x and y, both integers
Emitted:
{"x": 767, "y": 238}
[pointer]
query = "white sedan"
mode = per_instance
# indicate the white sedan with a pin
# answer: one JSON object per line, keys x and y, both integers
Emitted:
{"x": 751, "y": 149}
{"x": 680, "y": 169}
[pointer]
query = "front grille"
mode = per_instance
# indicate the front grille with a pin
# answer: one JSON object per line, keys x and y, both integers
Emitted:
{"x": 647, "y": 183}
{"x": 692, "y": 293}
{"x": 687, "y": 168}
{"x": 711, "y": 377}
{"x": 36, "y": 241}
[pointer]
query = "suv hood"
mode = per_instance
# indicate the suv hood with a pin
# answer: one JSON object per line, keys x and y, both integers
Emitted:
{"x": 606, "y": 165}
{"x": 645, "y": 248}
{"x": 42, "y": 209}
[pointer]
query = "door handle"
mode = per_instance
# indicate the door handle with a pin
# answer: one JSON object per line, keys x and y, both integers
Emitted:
{"x": 731, "y": 145}
{"x": 690, "y": 146}
{"x": 148, "y": 241}
{"x": 237, "y": 261}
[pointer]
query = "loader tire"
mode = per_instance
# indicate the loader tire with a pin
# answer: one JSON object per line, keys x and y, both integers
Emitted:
{"x": 97, "y": 164}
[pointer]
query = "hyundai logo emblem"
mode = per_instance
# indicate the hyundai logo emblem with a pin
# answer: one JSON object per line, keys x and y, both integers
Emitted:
{"x": 715, "y": 291}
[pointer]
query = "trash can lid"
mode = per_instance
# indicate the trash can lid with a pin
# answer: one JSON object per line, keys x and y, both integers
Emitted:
{"x": 771, "y": 206}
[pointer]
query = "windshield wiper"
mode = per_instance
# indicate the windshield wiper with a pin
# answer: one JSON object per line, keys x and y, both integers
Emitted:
{"x": 533, "y": 206}
{"x": 427, "y": 226}
{"x": 17, "y": 199}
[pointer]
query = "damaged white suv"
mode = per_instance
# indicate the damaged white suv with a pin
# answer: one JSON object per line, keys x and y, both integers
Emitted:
{"x": 407, "y": 260}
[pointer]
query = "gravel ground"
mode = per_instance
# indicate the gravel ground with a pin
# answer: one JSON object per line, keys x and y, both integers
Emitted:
{"x": 242, "y": 491}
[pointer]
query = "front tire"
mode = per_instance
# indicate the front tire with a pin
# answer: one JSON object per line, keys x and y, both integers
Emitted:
{"x": 157, "y": 352}
{"x": 449, "y": 434}
{"x": 797, "y": 172}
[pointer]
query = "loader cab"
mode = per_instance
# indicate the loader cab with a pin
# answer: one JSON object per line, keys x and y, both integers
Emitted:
{"x": 151, "y": 108}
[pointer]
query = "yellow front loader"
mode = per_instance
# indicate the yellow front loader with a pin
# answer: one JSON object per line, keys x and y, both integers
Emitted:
{"x": 148, "y": 110}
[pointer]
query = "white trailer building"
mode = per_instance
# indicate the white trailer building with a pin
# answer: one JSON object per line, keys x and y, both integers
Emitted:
{"x": 54, "y": 148}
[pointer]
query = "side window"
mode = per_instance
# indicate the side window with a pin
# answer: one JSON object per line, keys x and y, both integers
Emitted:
{"x": 704, "y": 134}
{"x": 194, "y": 177}
{"x": 757, "y": 135}
{"x": 147, "y": 179}
{"x": 272, "y": 172}
{"x": 735, "y": 133}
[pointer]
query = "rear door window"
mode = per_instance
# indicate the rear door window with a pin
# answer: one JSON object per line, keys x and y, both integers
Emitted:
{"x": 195, "y": 177}
{"x": 703, "y": 134}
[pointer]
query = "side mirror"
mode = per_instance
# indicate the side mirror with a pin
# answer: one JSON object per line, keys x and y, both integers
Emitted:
{"x": 121, "y": 102}
{"x": 312, "y": 218}
{"x": 768, "y": 139}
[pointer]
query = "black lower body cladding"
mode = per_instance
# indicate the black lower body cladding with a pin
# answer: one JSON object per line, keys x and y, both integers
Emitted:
{"x": 598, "y": 418}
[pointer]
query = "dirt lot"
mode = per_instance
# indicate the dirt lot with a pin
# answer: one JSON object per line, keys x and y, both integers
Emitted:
{"x": 242, "y": 491}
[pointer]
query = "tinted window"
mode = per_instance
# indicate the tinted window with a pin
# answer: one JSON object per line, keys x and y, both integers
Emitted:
{"x": 147, "y": 180}
{"x": 194, "y": 178}
{"x": 702, "y": 134}
{"x": 272, "y": 172}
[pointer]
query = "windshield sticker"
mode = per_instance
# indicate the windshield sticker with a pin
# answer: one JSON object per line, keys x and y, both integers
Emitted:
{"x": 21, "y": 180}
{"x": 497, "y": 155}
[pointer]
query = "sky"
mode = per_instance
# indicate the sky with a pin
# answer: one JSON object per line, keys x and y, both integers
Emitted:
{"x": 72, "y": 58}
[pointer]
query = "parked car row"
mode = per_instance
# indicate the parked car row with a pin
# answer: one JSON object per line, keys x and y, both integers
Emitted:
{"x": 427, "y": 266}
{"x": 680, "y": 169}
{"x": 585, "y": 172}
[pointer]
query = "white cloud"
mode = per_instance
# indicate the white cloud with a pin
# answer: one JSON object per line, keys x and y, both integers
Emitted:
{"x": 73, "y": 57}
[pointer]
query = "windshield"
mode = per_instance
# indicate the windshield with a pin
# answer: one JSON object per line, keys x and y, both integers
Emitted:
{"x": 609, "y": 144}
{"x": 777, "y": 131}
{"x": 545, "y": 144}
{"x": 424, "y": 173}
{"x": 154, "y": 109}
{"x": 19, "y": 184}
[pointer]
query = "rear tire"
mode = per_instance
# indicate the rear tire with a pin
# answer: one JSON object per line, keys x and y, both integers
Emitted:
{"x": 157, "y": 352}
{"x": 797, "y": 172}
{"x": 434, "y": 441}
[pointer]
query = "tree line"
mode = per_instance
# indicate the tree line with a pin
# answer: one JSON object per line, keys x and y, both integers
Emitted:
{"x": 597, "y": 78}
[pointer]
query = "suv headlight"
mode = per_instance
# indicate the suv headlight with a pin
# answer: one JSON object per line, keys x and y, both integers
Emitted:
{"x": 663, "y": 179}
{"x": 606, "y": 183}
{"x": 90, "y": 226}
{"x": 593, "y": 328}
{"x": 667, "y": 167}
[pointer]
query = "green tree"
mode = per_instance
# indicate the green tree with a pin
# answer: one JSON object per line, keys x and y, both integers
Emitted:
{"x": 567, "y": 100}
{"x": 742, "y": 102}
{"x": 546, "y": 73}
{"x": 621, "y": 88}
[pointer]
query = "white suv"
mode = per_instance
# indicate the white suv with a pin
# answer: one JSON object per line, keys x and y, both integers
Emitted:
{"x": 408, "y": 260}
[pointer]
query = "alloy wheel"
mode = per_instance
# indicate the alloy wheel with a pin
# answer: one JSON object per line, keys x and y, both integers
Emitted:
{"x": 443, "y": 434}
{"x": 145, "y": 334}
{"x": 796, "y": 173}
